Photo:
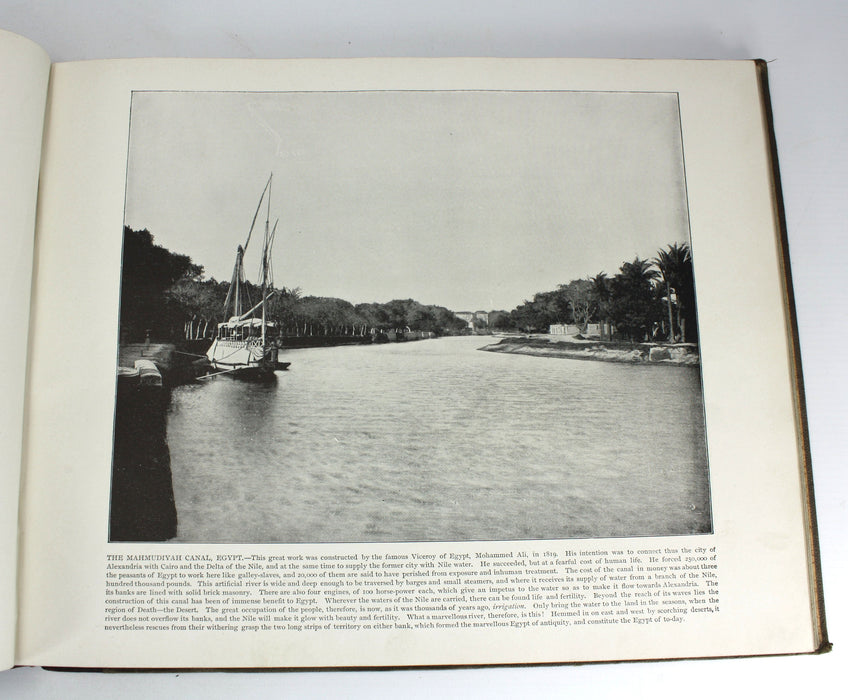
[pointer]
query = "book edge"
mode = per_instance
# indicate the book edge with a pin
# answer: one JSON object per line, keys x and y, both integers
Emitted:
{"x": 823, "y": 644}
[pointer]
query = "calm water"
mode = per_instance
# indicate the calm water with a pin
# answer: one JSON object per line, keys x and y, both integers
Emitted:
{"x": 433, "y": 440}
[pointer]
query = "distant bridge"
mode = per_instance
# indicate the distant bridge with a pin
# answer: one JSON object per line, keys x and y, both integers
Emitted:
{"x": 471, "y": 316}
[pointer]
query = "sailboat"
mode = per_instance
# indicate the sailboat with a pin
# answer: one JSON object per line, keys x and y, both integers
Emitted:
{"x": 242, "y": 346}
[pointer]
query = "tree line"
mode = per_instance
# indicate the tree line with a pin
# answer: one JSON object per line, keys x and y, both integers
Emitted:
{"x": 165, "y": 296}
{"x": 647, "y": 299}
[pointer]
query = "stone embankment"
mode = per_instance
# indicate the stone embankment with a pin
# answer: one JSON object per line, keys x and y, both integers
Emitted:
{"x": 142, "y": 507}
{"x": 604, "y": 351}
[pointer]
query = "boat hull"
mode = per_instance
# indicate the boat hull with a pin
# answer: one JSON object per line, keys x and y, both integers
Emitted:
{"x": 247, "y": 359}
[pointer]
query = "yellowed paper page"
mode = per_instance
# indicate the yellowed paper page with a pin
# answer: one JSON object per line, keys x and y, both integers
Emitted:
{"x": 92, "y": 602}
{"x": 24, "y": 71}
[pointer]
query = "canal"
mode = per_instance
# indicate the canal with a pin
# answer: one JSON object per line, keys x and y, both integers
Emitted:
{"x": 434, "y": 440}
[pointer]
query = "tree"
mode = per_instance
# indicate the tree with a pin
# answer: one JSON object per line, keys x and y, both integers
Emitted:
{"x": 199, "y": 304}
{"x": 448, "y": 321}
{"x": 633, "y": 306}
{"x": 327, "y": 316}
{"x": 500, "y": 320}
{"x": 675, "y": 266}
{"x": 282, "y": 309}
{"x": 577, "y": 296}
{"x": 642, "y": 297}
{"x": 148, "y": 271}
{"x": 530, "y": 316}
{"x": 600, "y": 295}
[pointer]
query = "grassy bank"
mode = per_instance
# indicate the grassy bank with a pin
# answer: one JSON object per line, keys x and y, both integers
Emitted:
{"x": 604, "y": 351}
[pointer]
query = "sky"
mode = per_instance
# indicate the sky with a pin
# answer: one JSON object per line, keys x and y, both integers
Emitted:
{"x": 466, "y": 199}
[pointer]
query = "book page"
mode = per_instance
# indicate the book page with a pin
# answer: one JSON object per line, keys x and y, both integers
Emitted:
{"x": 389, "y": 503}
{"x": 24, "y": 71}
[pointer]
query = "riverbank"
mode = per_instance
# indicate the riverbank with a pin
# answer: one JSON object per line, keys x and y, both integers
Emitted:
{"x": 604, "y": 351}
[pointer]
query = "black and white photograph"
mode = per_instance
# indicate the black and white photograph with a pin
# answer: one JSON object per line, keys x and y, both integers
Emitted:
{"x": 490, "y": 291}
{"x": 407, "y": 316}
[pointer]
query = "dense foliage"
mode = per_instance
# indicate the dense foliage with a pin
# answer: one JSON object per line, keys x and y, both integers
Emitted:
{"x": 164, "y": 294}
{"x": 148, "y": 272}
{"x": 646, "y": 299}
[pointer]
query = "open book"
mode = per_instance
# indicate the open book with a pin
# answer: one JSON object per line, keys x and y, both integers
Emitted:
{"x": 208, "y": 466}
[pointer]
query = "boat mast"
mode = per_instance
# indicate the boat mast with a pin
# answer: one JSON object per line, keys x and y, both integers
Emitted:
{"x": 265, "y": 260}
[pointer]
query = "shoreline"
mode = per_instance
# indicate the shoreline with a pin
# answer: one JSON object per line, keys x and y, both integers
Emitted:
{"x": 680, "y": 354}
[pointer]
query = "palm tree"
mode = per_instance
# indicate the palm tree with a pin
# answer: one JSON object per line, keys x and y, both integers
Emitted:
{"x": 632, "y": 302}
{"x": 666, "y": 266}
{"x": 675, "y": 266}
